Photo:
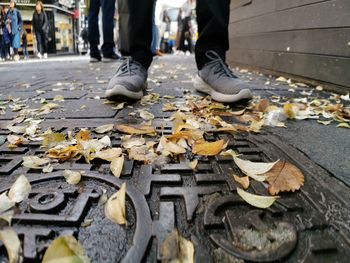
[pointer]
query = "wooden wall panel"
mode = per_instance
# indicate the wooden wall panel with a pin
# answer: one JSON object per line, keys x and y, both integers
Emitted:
{"x": 309, "y": 38}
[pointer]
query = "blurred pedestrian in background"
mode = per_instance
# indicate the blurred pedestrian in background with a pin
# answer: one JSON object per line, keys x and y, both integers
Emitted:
{"x": 2, "y": 25}
{"x": 185, "y": 42}
{"x": 25, "y": 44}
{"x": 179, "y": 30}
{"x": 40, "y": 29}
{"x": 156, "y": 21}
{"x": 14, "y": 20}
{"x": 108, "y": 46}
{"x": 85, "y": 37}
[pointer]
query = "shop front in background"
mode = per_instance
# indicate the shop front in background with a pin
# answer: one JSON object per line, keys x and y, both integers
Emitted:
{"x": 61, "y": 25}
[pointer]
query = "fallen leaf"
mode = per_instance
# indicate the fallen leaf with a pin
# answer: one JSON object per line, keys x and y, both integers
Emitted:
{"x": 108, "y": 154}
{"x": 15, "y": 140}
{"x": 168, "y": 146}
{"x": 17, "y": 129}
{"x": 104, "y": 128}
{"x": 5, "y": 202}
{"x": 58, "y": 98}
{"x": 208, "y": 148}
{"x": 255, "y": 126}
{"x": 193, "y": 164}
{"x": 72, "y": 177}
{"x": 243, "y": 181}
{"x": 256, "y": 200}
{"x": 63, "y": 153}
{"x": 65, "y": 249}
{"x": 20, "y": 189}
{"x": 7, "y": 217}
{"x": 177, "y": 249}
{"x": 343, "y": 125}
{"x": 325, "y": 122}
{"x": 262, "y": 105}
{"x": 83, "y": 135}
{"x": 136, "y": 129}
{"x": 52, "y": 138}
{"x": 146, "y": 115}
{"x": 115, "y": 207}
{"x": 34, "y": 162}
{"x": 12, "y": 244}
{"x": 284, "y": 177}
{"x": 117, "y": 166}
{"x": 132, "y": 142}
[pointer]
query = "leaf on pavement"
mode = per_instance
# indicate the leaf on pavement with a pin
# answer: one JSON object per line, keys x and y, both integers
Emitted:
{"x": 208, "y": 148}
{"x": 5, "y": 202}
{"x": 193, "y": 164}
{"x": 108, "y": 154}
{"x": 117, "y": 166}
{"x": 167, "y": 147}
{"x": 20, "y": 189}
{"x": 83, "y": 135}
{"x": 147, "y": 116}
{"x": 243, "y": 181}
{"x": 175, "y": 248}
{"x": 72, "y": 177}
{"x": 34, "y": 162}
{"x": 256, "y": 200}
{"x": 343, "y": 125}
{"x": 52, "y": 138}
{"x": 136, "y": 129}
{"x": 12, "y": 244}
{"x": 284, "y": 177}
{"x": 115, "y": 207}
{"x": 104, "y": 128}
{"x": 65, "y": 249}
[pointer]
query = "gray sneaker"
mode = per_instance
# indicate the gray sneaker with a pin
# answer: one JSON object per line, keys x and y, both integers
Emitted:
{"x": 217, "y": 80}
{"x": 129, "y": 81}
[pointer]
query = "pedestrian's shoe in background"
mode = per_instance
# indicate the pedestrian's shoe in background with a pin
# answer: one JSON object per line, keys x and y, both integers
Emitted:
{"x": 45, "y": 55}
{"x": 217, "y": 80}
{"x": 129, "y": 81}
{"x": 94, "y": 59}
{"x": 110, "y": 58}
{"x": 16, "y": 58}
{"x": 39, "y": 56}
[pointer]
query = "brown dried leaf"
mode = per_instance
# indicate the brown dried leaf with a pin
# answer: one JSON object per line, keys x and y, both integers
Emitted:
{"x": 243, "y": 181}
{"x": 208, "y": 148}
{"x": 136, "y": 129}
{"x": 284, "y": 177}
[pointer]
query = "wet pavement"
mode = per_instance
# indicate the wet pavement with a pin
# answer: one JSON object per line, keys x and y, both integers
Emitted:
{"x": 310, "y": 225}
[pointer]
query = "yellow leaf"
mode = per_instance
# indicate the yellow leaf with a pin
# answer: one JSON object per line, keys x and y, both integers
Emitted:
{"x": 136, "y": 129}
{"x": 290, "y": 110}
{"x": 5, "y": 202}
{"x": 72, "y": 177}
{"x": 12, "y": 244}
{"x": 177, "y": 249}
{"x": 169, "y": 146}
{"x": 117, "y": 166}
{"x": 256, "y": 200}
{"x": 20, "y": 189}
{"x": 83, "y": 135}
{"x": 52, "y": 138}
{"x": 343, "y": 125}
{"x": 193, "y": 164}
{"x": 208, "y": 148}
{"x": 34, "y": 162}
{"x": 146, "y": 115}
{"x": 104, "y": 128}
{"x": 115, "y": 207}
{"x": 58, "y": 98}
{"x": 243, "y": 181}
{"x": 65, "y": 249}
{"x": 132, "y": 142}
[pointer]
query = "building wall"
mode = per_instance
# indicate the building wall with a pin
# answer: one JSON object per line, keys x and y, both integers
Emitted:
{"x": 306, "y": 38}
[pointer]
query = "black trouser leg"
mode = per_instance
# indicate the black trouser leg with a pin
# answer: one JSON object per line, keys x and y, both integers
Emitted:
{"x": 135, "y": 29}
{"x": 108, "y": 8}
{"x": 213, "y": 19}
{"x": 39, "y": 41}
{"x": 94, "y": 34}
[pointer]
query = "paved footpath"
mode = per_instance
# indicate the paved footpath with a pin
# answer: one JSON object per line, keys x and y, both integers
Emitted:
{"x": 309, "y": 225}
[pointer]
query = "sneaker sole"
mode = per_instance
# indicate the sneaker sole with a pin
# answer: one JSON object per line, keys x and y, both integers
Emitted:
{"x": 200, "y": 85}
{"x": 109, "y": 60}
{"x": 94, "y": 60}
{"x": 119, "y": 91}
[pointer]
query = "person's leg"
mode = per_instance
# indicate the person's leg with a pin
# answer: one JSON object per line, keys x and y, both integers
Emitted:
{"x": 39, "y": 42}
{"x": 45, "y": 37}
{"x": 108, "y": 10}
{"x": 135, "y": 30}
{"x": 213, "y": 19}
{"x": 94, "y": 34}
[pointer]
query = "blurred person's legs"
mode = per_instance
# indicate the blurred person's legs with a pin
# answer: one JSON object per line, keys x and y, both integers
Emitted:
{"x": 44, "y": 41}
{"x": 94, "y": 33}
{"x": 215, "y": 77}
{"x": 108, "y": 46}
{"x": 39, "y": 42}
{"x": 135, "y": 29}
{"x": 155, "y": 35}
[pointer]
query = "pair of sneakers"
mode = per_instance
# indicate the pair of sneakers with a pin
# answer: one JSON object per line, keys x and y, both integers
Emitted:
{"x": 214, "y": 79}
